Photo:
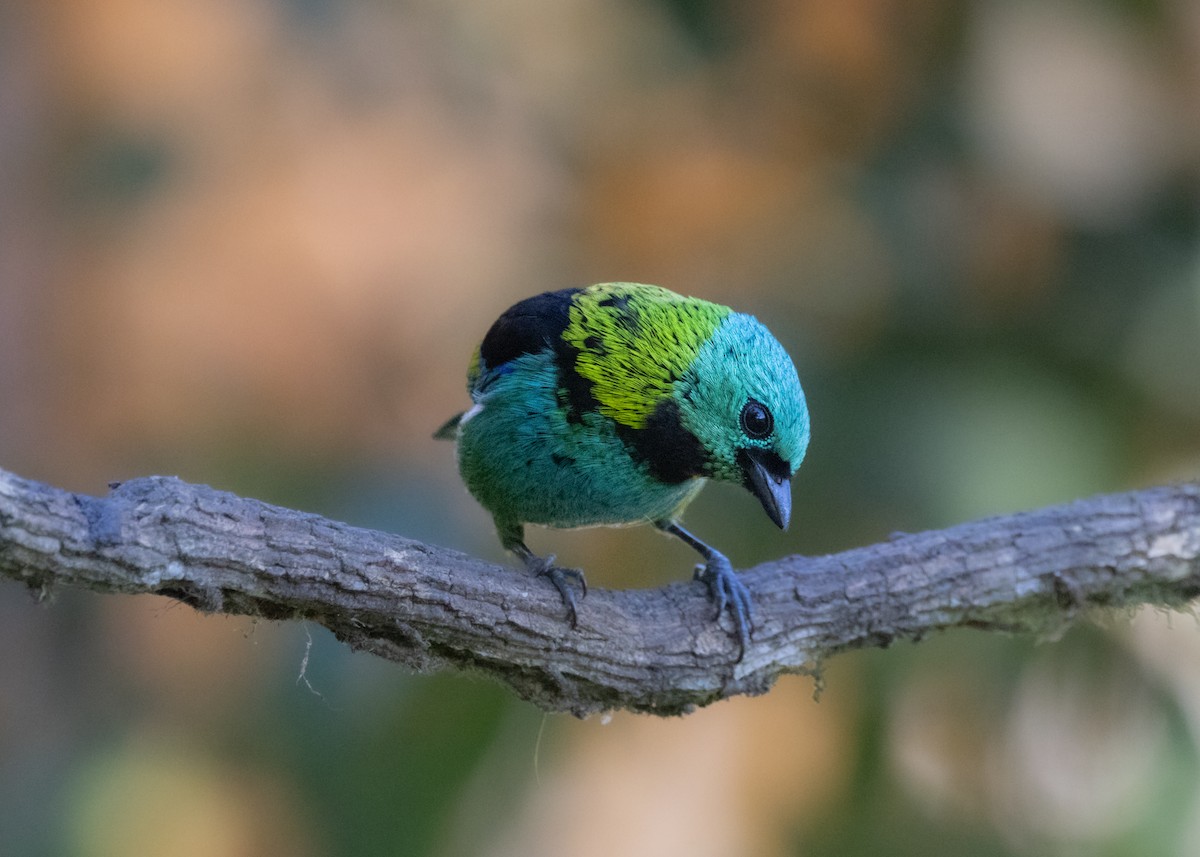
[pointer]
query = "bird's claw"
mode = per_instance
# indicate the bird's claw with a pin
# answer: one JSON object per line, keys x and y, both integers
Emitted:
{"x": 726, "y": 589}
{"x": 561, "y": 578}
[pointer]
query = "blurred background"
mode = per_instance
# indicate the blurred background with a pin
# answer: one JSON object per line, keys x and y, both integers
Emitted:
{"x": 253, "y": 242}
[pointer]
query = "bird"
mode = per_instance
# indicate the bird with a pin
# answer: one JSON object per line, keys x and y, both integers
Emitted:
{"x": 613, "y": 404}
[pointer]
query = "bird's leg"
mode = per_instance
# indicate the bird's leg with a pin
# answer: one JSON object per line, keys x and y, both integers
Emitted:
{"x": 560, "y": 577}
{"x": 513, "y": 539}
{"x": 725, "y": 588}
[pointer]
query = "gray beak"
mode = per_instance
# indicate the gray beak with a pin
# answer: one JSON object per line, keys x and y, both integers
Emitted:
{"x": 768, "y": 478}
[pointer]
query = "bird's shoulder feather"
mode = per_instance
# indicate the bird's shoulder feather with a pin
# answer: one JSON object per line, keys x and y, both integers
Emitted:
{"x": 620, "y": 347}
{"x": 527, "y": 327}
{"x": 634, "y": 342}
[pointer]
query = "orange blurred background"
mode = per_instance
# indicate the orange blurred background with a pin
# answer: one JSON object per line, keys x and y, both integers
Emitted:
{"x": 253, "y": 244}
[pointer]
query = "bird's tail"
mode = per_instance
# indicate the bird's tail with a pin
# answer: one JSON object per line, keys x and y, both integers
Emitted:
{"x": 449, "y": 429}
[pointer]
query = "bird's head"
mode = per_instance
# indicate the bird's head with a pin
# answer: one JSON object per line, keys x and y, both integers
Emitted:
{"x": 742, "y": 400}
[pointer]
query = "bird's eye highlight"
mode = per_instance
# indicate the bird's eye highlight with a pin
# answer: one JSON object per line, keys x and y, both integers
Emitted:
{"x": 756, "y": 420}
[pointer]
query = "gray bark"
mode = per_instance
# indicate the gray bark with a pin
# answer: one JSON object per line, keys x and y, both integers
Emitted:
{"x": 651, "y": 650}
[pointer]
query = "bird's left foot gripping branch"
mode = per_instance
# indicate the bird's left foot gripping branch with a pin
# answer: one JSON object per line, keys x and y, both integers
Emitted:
{"x": 613, "y": 404}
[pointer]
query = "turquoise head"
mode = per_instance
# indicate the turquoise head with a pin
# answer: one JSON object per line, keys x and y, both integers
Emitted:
{"x": 741, "y": 398}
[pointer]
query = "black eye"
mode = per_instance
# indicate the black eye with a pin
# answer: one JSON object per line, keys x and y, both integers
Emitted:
{"x": 756, "y": 420}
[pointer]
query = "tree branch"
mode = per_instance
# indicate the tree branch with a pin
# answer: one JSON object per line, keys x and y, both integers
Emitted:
{"x": 650, "y": 650}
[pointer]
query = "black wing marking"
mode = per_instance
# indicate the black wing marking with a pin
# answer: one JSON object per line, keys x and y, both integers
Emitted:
{"x": 670, "y": 452}
{"x": 536, "y": 325}
{"x": 528, "y": 327}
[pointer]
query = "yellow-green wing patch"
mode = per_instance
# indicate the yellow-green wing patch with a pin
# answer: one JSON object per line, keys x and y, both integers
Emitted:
{"x": 473, "y": 369}
{"x": 634, "y": 343}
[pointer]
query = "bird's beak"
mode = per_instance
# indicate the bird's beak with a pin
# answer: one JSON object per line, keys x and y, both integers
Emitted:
{"x": 769, "y": 478}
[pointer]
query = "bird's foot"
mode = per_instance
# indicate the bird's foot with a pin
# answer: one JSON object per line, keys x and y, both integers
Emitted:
{"x": 726, "y": 589}
{"x": 561, "y": 578}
